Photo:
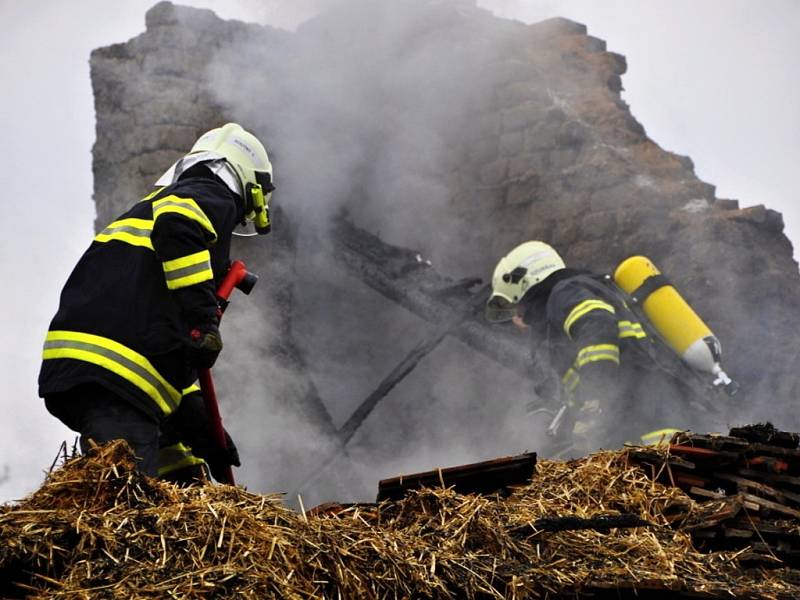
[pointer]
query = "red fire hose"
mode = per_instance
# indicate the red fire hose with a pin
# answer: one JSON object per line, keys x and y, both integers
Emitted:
{"x": 237, "y": 277}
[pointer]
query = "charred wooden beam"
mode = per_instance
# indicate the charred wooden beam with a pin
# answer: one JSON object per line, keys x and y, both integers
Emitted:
{"x": 403, "y": 276}
{"x": 409, "y": 363}
{"x": 601, "y": 523}
{"x": 406, "y": 365}
{"x": 488, "y": 477}
{"x": 766, "y": 433}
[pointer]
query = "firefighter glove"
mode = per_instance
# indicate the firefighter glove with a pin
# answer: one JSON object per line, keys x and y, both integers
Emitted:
{"x": 205, "y": 344}
{"x": 218, "y": 459}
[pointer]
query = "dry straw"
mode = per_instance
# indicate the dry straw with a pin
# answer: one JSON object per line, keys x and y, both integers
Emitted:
{"x": 98, "y": 529}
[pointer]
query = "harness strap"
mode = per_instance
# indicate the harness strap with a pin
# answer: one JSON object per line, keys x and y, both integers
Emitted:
{"x": 649, "y": 285}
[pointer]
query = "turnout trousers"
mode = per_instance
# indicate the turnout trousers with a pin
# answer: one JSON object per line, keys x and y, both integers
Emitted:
{"x": 100, "y": 415}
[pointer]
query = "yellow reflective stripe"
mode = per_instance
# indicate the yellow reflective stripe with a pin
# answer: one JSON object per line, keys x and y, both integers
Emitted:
{"x": 662, "y": 435}
{"x": 175, "y": 457}
{"x": 188, "y": 270}
{"x": 190, "y": 390}
{"x": 152, "y": 195}
{"x": 570, "y": 380}
{"x": 118, "y": 359}
{"x": 631, "y": 329}
{"x": 131, "y": 231}
{"x": 591, "y": 354}
{"x": 581, "y": 309}
{"x": 186, "y": 207}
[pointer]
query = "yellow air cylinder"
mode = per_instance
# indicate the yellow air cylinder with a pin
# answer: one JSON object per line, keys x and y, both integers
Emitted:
{"x": 681, "y": 327}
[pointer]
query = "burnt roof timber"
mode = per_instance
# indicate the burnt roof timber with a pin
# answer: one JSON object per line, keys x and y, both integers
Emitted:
{"x": 402, "y": 276}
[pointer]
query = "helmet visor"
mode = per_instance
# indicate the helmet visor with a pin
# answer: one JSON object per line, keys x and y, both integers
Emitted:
{"x": 499, "y": 310}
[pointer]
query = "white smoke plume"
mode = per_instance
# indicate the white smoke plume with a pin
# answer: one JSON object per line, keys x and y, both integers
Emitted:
{"x": 358, "y": 109}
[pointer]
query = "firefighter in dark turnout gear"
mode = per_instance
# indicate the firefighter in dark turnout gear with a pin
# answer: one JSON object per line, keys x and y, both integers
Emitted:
{"x": 600, "y": 351}
{"x": 139, "y": 315}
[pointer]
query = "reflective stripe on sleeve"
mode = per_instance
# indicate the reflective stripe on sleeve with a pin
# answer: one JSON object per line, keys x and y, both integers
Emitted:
{"x": 185, "y": 207}
{"x": 135, "y": 232}
{"x": 111, "y": 355}
{"x": 582, "y": 309}
{"x": 188, "y": 270}
{"x": 596, "y": 353}
{"x": 570, "y": 380}
{"x": 175, "y": 457}
{"x": 628, "y": 329}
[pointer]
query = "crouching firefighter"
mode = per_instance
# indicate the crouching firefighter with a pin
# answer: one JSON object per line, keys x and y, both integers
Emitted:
{"x": 139, "y": 316}
{"x": 613, "y": 384}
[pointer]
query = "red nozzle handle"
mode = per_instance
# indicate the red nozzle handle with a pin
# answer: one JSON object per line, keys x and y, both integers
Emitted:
{"x": 237, "y": 277}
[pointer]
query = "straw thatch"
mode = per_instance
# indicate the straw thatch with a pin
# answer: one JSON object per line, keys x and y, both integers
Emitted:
{"x": 96, "y": 528}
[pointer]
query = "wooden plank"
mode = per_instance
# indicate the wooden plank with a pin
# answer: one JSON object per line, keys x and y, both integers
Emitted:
{"x": 749, "y": 484}
{"x": 689, "y": 480}
{"x": 697, "y": 491}
{"x": 772, "y": 478}
{"x": 657, "y": 460}
{"x": 730, "y": 532}
{"x": 714, "y": 442}
{"x": 751, "y": 506}
{"x": 479, "y": 478}
{"x": 764, "y": 503}
{"x": 704, "y": 453}
{"x": 780, "y": 495}
{"x": 774, "y": 465}
{"x": 769, "y": 530}
{"x": 787, "y": 453}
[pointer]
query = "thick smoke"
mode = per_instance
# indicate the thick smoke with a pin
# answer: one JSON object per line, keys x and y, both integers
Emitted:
{"x": 357, "y": 107}
{"x": 360, "y": 109}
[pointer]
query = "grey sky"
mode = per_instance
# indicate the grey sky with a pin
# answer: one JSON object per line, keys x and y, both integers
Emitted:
{"x": 710, "y": 79}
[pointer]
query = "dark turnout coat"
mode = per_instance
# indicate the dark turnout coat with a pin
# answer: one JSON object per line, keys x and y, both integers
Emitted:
{"x": 144, "y": 282}
{"x": 602, "y": 352}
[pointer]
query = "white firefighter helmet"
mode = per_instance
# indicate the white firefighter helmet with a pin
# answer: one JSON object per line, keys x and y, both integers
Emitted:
{"x": 525, "y": 266}
{"x": 240, "y": 161}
